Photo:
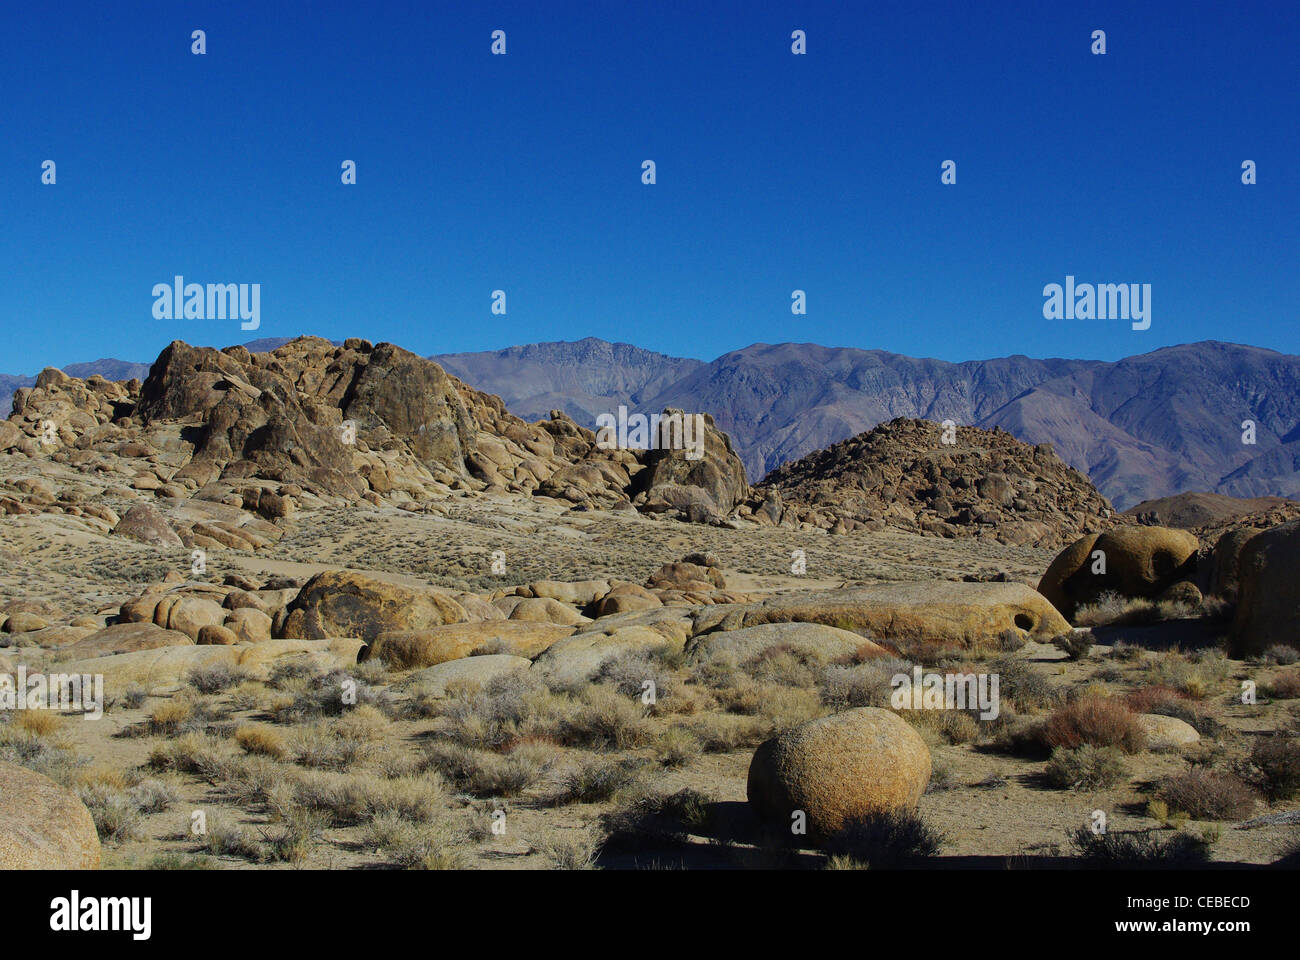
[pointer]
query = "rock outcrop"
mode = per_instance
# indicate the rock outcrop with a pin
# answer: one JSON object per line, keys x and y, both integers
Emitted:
{"x": 904, "y": 473}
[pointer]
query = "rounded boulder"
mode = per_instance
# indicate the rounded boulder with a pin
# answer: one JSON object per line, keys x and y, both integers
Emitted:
{"x": 838, "y": 768}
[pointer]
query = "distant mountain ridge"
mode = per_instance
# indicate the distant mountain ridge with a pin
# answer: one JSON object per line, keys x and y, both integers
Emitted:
{"x": 1143, "y": 427}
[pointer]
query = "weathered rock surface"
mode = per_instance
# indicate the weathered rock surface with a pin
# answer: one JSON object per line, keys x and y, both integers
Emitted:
{"x": 43, "y": 826}
{"x": 835, "y": 768}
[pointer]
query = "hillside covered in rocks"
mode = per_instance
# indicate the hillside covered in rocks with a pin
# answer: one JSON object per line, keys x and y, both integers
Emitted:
{"x": 985, "y": 484}
{"x": 313, "y": 424}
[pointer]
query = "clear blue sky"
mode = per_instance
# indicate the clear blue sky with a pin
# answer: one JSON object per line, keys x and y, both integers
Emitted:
{"x": 775, "y": 172}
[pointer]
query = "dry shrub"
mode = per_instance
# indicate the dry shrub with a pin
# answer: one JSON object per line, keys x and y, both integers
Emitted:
{"x": 1085, "y": 768}
{"x": 167, "y": 717}
{"x": 1095, "y": 720}
{"x": 37, "y": 723}
{"x": 260, "y": 739}
{"x": 1284, "y": 686}
{"x": 1205, "y": 795}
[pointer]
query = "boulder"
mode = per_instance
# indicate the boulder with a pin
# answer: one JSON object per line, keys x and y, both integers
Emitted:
{"x": 189, "y": 614}
{"x": 577, "y": 659}
{"x": 147, "y": 525}
{"x": 126, "y": 638}
{"x": 43, "y": 826}
{"x": 249, "y": 624}
{"x": 24, "y": 623}
{"x": 1225, "y": 561}
{"x": 433, "y": 681}
{"x": 836, "y": 768}
{"x": 1141, "y": 562}
{"x": 340, "y": 603}
{"x": 1268, "y": 591}
{"x": 211, "y": 635}
{"x": 403, "y": 650}
{"x": 578, "y": 593}
{"x": 960, "y": 614}
{"x": 167, "y": 666}
{"x": 813, "y": 642}
{"x": 546, "y": 610}
{"x": 1166, "y": 733}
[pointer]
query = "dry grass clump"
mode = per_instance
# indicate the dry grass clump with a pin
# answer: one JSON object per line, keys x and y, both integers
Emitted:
{"x": 411, "y": 846}
{"x": 1280, "y": 654}
{"x": 482, "y": 773}
{"x": 36, "y": 723}
{"x": 726, "y": 733}
{"x": 509, "y": 708}
{"x": 216, "y": 677}
{"x": 1274, "y": 766}
{"x": 1284, "y": 686}
{"x": 677, "y": 746}
{"x": 606, "y": 719}
{"x": 571, "y": 852}
{"x": 189, "y": 753}
{"x": 1075, "y": 644}
{"x": 1028, "y": 689}
{"x": 596, "y": 780}
{"x": 885, "y": 840}
{"x": 1195, "y": 675}
{"x": 1139, "y": 850}
{"x": 319, "y": 746}
{"x": 866, "y": 684}
{"x": 298, "y": 832}
{"x": 1085, "y": 768}
{"x": 630, "y": 672}
{"x": 654, "y": 819}
{"x": 258, "y": 738}
{"x": 309, "y": 693}
{"x": 1095, "y": 720}
{"x": 221, "y": 838}
{"x": 947, "y": 726}
{"x": 1205, "y": 795}
{"x": 116, "y": 815}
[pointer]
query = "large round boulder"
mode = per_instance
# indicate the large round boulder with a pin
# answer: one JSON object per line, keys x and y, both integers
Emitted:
{"x": 1268, "y": 591}
{"x": 839, "y": 768}
{"x": 1140, "y": 562}
{"x": 340, "y": 603}
{"x": 42, "y": 825}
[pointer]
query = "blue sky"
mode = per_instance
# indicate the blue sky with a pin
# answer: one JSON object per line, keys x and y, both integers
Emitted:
{"x": 775, "y": 172}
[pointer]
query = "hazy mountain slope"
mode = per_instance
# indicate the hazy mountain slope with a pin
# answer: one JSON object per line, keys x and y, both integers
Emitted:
{"x": 584, "y": 378}
{"x": 1143, "y": 427}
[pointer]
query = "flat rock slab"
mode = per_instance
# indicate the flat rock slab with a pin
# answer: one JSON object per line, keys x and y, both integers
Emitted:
{"x": 963, "y": 614}
{"x": 433, "y": 681}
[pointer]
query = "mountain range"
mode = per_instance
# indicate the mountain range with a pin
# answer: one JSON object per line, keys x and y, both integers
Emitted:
{"x": 1143, "y": 427}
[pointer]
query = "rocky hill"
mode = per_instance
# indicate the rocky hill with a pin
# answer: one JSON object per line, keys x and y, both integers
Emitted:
{"x": 311, "y": 424}
{"x": 985, "y": 484}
